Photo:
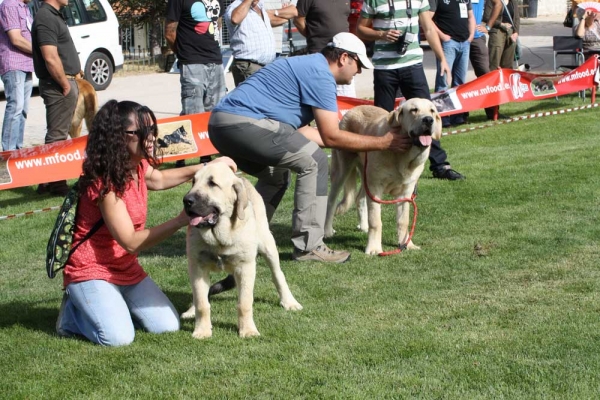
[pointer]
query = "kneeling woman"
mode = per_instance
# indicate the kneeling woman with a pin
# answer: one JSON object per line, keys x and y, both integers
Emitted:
{"x": 107, "y": 292}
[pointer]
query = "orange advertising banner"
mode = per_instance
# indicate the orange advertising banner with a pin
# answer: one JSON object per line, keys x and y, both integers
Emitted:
{"x": 187, "y": 136}
{"x": 178, "y": 138}
{"x": 503, "y": 86}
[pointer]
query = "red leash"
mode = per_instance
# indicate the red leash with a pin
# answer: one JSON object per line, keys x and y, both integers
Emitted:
{"x": 410, "y": 200}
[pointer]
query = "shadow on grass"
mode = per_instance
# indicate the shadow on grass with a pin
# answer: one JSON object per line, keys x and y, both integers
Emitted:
{"x": 37, "y": 316}
{"x": 26, "y": 194}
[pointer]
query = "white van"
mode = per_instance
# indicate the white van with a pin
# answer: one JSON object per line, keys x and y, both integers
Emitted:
{"x": 95, "y": 31}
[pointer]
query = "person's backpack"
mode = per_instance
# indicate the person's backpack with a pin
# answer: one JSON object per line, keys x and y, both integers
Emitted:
{"x": 59, "y": 248}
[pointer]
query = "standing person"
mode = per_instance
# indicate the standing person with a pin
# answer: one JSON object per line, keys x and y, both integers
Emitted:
{"x": 16, "y": 66}
{"x": 56, "y": 64}
{"x": 278, "y": 30}
{"x": 107, "y": 291}
{"x": 503, "y": 21}
{"x": 262, "y": 125}
{"x": 478, "y": 53}
{"x": 398, "y": 59}
{"x": 252, "y": 41}
{"x": 319, "y": 21}
{"x": 190, "y": 32}
{"x": 455, "y": 24}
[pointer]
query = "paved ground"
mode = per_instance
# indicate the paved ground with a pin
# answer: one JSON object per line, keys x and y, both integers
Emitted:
{"x": 160, "y": 91}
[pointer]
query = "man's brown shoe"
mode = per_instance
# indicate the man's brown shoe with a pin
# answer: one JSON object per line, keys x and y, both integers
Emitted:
{"x": 321, "y": 253}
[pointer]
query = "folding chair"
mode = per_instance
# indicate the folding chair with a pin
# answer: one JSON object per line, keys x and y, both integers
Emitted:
{"x": 568, "y": 46}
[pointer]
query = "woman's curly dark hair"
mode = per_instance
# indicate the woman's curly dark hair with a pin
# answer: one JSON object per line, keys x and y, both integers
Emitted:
{"x": 107, "y": 157}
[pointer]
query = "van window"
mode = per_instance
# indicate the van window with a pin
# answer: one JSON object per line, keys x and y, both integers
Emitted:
{"x": 84, "y": 12}
{"x": 94, "y": 10}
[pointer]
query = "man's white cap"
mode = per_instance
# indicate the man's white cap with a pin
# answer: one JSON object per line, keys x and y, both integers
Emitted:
{"x": 349, "y": 42}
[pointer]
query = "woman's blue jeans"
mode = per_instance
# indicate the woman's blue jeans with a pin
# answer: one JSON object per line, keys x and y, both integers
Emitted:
{"x": 106, "y": 313}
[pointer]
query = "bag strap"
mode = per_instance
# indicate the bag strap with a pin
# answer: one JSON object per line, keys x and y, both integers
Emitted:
{"x": 88, "y": 235}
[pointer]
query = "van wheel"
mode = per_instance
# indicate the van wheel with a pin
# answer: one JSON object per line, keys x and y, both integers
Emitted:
{"x": 98, "y": 71}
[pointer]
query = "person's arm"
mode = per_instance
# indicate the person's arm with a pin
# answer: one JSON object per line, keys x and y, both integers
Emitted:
{"x": 580, "y": 32}
{"x": 434, "y": 41}
{"x": 471, "y": 26}
{"x": 300, "y": 24}
{"x": 241, "y": 12}
{"x": 496, "y": 11}
{"x": 332, "y": 136}
{"x": 119, "y": 224}
{"x": 171, "y": 34}
{"x": 55, "y": 67}
{"x": 432, "y": 9}
{"x": 287, "y": 12}
{"x": 365, "y": 31}
{"x": 169, "y": 178}
{"x": 17, "y": 40}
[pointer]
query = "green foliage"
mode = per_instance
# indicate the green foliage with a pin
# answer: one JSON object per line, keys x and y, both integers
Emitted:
{"x": 501, "y": 302}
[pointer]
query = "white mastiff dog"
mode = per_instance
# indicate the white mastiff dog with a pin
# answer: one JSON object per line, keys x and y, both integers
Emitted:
{"x": 387, "y": 172}
{"x": 228, "y": 227}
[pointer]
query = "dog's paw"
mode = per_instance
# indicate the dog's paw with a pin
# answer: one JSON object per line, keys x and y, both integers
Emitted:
{"x": 412, "y": 246}
{"x": 189, "y": 314}
{"x": 202, "y": 333}
{"x": 373, "y": 251}
{"x": 363, "y": 228}
{"x": 250, "y": 332}
{"x": 329, "y": 232}
{"x": 291, "y": 305}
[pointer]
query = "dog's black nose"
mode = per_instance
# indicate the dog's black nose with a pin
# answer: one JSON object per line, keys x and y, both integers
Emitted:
{"x": 188, "y": 201}
{"x": 428, "y": 121}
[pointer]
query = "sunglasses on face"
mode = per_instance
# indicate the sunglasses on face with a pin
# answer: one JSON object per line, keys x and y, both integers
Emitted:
{"x": 356, "y": 59}
{"x": 144, "y": 131}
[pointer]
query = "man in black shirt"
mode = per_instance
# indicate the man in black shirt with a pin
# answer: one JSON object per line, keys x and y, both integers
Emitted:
{"x": 455, "y": 23}
{"x": 56, "y": 64}
{"x": 190, "y": 31}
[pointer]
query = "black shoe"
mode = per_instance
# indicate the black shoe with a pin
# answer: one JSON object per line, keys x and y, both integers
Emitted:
{"x": 58, "y": 188}
{"x": 179, "y": 163}
{"x": 42, "y": 188}
{"x": 449, "y": 174}
{"x": 446, "y": 122}
{"x": 457, "y": 120}
{"x": 222, "y": 286}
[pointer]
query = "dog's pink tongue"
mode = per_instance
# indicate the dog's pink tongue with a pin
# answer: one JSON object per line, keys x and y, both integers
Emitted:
{"x": 425, "y": 140}
{"x": 194, "y": 221}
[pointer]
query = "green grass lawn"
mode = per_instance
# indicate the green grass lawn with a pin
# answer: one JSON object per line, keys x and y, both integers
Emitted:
{"x": 502, "y": 300}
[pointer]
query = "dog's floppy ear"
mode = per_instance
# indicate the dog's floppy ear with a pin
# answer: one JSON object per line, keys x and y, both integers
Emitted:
{"x": 437, "y": 131}
{"x": 395, "y": 118}
{"x": 241, "y": 201}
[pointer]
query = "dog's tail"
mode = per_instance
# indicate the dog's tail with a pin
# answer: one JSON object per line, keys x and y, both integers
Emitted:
{"x": 349, "y": 194}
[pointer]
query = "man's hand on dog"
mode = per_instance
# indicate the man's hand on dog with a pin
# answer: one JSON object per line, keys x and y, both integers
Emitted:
{"x": 398, "y": 143}
{"x": 230, "y": 163}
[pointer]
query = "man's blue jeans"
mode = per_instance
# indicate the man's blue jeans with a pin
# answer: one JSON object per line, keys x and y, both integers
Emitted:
{"x": 17, "y": 89}
{"x": 457, "y": 57}
{"x": 106, "y": 313}
{"x": 202, "y": 87}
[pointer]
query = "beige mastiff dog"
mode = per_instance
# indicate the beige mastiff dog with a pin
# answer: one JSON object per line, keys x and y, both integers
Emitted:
{"x": 387, "y": 172}
{"x": 228, "y": 227}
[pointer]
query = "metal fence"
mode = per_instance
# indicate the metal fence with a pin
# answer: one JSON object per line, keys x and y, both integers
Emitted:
{"x": 138, "y": 59}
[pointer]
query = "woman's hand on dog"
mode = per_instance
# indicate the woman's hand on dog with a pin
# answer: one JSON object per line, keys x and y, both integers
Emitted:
{"x": 398, "y": 143}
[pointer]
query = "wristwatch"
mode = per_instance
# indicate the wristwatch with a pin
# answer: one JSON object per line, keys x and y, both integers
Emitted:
{"x": 488, "y": 28}
{"x": 276, "y": 13}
